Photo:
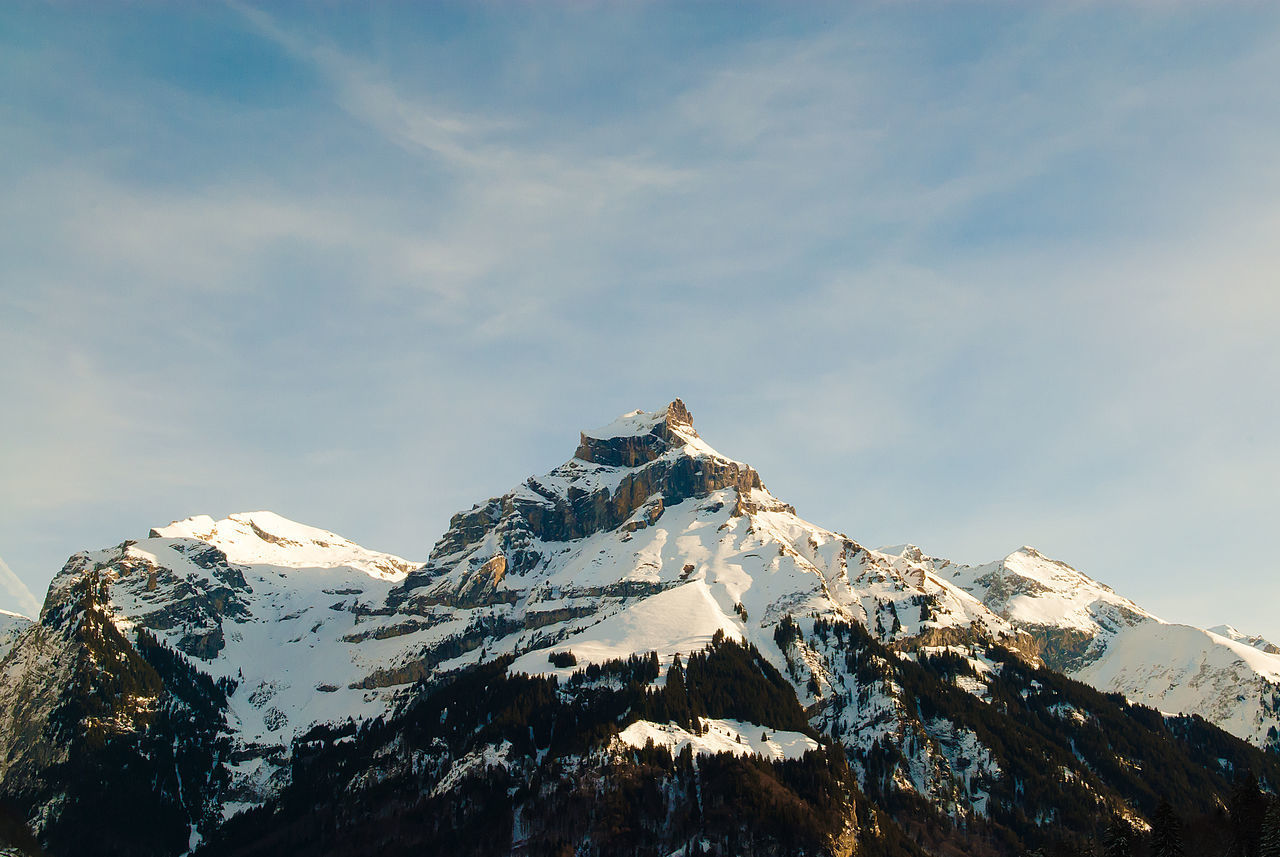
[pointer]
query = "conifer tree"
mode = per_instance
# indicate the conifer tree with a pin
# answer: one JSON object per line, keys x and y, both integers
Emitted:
{"x": 1166, "y": 832}
{"x": 1246, "y": 808}
{"x": 1269, "y": 843}
{"x": 676, "y": 694}
{"x": 1119, "y": 839}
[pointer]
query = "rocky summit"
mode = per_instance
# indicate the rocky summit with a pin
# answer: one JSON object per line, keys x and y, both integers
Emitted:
{"x": 642, "y": 651}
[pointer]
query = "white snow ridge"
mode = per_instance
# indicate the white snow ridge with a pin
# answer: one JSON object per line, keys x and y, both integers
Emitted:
{"x": 647, "y": 540}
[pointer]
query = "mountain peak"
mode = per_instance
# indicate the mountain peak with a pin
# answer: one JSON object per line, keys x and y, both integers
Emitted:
{"x": 1255, "y": 640}
{"x": 638, "y": 437}
{"x": 263, "y": 537}
{"x": 905, "y": 550}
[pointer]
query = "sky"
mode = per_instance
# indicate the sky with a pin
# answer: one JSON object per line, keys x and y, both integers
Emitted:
{"x": 969, "y": 276}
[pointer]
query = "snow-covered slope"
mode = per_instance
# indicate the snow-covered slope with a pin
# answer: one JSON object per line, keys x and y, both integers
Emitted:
{"x": 1256, "y": 641}
{"x": 1028, "y": 588}
{"x": 265, "y": 538}
{"x": 647, "y": 539}
{"x": 1179, "y": 668}
{"x": 650, "y": 540}
{"x": 719, "y": 736}
{"x": 1083, "y": 628}
{"x": 11, "y": 625}
{"x": 286, "y": 612}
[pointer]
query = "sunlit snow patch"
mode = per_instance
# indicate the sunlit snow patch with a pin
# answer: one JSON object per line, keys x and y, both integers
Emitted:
{"x": 680, "y": 620}
{"x": 720, "y": 736}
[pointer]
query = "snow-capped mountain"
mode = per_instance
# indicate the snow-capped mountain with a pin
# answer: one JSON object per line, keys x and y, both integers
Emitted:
{"x": 1256, "y": 641}
{"x": 249, "y": 636}
{"x": 1084, "y": 629}
{"x": 649, "y": 539}
{"x": 278, "y": 608}
{"x": 11, "y": 625}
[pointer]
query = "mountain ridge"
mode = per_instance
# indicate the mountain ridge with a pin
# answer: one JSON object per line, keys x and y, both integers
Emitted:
{"x": 646, "y": 543}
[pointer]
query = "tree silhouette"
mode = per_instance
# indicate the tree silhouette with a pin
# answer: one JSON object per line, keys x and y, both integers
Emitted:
{"x": 1269, "y": 842}
{"x": 1119, "y": 839}
{"x": 1247, "y": 807}
{"x": 1166, "y": 832}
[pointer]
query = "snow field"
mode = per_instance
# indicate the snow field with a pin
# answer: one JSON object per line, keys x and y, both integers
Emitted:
{"x": 720, "y": 736}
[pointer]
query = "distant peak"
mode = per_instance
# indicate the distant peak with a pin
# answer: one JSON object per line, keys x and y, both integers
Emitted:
{"x": 1028, "y": 562}
{"x": 1236, "y": 635}
{"x": 906, "y": 551}
{"x": 267, "y": 538}
{"x": 267, "y": 526}
{"x": 1026, "y": 552}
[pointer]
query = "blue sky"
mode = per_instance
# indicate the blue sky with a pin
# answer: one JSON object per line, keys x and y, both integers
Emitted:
{"x": 970, "y": 276}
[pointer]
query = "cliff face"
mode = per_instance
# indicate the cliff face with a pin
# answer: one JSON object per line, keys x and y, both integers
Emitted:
{"x": 641, "y": 461}
{"x": 111, "y": 744}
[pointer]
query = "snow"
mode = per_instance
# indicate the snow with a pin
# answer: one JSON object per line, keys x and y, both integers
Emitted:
{"x": 265, "y": 538}
{"x": 638, "y": 423}
{"x": 1179, "y": 668}
{"x": 1028, "y": 588}
{"x": 632, "y": 424}
{"x": 316, "y": 623}
{"x": 299, "y": 646}
{"x": 11, "y": 626}
{"x": 1228, "y": 677}
{"x": 475, "y": 762}
{"x": 680, "y": 620}
{"x": 1254, "y": 640}
{"x": 720, "y": 736}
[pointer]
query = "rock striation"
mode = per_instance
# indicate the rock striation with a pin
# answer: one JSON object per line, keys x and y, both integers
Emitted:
{"x": 641, "y": 462}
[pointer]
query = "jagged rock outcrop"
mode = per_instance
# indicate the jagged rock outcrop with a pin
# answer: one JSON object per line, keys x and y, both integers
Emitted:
{"x": 633, "y": 450}
{"x": 474, "y": 588}
{"x": 649, "y": 460}
{"x": 102, "y": 724}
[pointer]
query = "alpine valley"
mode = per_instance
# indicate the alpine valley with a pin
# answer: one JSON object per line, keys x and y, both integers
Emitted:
{"x": 641, "y": 652}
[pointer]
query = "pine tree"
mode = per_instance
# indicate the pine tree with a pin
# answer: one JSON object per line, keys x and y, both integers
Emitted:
{"x": 1246, "y": 808}
{"x": 677, "y": 692}
{"x": 1166, "y": 832}
{"x": 1119, "y": 839}
{"x": 1269, "y": 845}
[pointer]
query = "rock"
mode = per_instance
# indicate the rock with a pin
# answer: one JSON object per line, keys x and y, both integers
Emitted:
{"x": 537, "y": 512}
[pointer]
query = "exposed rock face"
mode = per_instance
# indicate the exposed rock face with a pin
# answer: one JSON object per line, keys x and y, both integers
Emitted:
{"x": 633, "y": 450}
{"x": 81, "y": 704}
{"x": 476, "y": 588}
{"x": 647, "y": 540}
{"x": 641, "y": 461}
{"x": 171, "y": 600}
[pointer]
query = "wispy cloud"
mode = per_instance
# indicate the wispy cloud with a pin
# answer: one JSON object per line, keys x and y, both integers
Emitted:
{"x": 17, "y": 593}
{"x": 998, "y": 273}
{"x": 469, "y": 144}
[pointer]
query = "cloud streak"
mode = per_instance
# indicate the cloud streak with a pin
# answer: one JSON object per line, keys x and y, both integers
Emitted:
{"x": 17, "y": 593}
{"x": 965, "y": 281}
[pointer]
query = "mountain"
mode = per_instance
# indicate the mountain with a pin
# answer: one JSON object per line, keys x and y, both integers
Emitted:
{"x": 602, "y": 633}
{"x": 1085, "y": 630}
{"x": 254, "y": 602}
{"x": 11, "y": 625}
{"x": 1253, "y": 640}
